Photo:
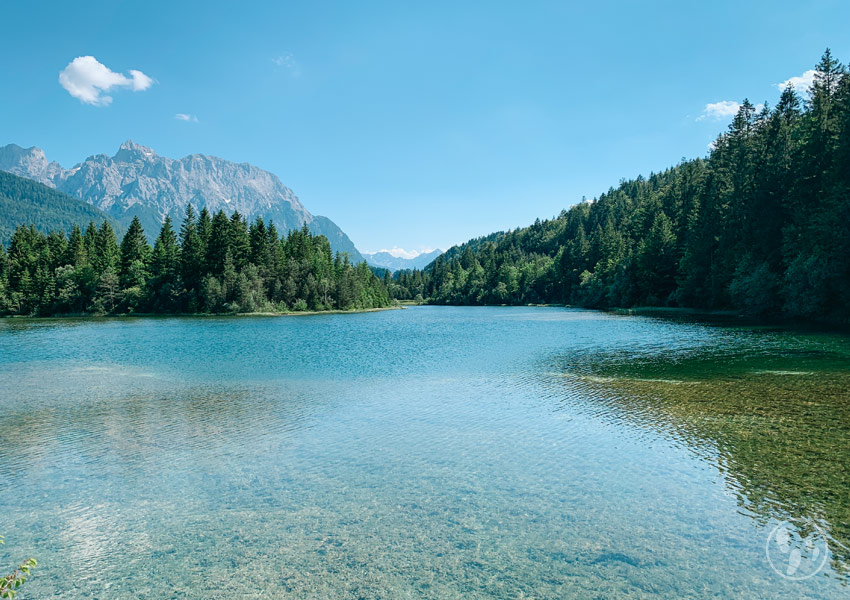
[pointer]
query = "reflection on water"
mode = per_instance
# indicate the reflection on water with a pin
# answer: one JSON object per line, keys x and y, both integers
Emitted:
{"x": 427, "y": 453}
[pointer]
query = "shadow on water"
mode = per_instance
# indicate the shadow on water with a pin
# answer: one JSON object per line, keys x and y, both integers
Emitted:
{"x": 769, "y": 408}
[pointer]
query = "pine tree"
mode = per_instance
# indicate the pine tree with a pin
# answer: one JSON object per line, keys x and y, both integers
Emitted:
{"x": 240, "y": 243}
{"x": 76, "y": 251}
{"x": 191, "y": 255}
{"x": 106, "y": 254}
{"x": 218, "y": 244}
{"x": 204, "y": 227}
{"x": 135, "y": 254}
{"x": 90, "y": 241}
{"x": 165, "y": 269}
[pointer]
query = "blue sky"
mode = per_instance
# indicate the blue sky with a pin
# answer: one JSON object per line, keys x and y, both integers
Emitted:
{"x": 415, "y": 125}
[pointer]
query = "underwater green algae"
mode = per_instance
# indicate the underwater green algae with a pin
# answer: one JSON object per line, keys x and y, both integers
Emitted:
{"x": 773, "y": 414}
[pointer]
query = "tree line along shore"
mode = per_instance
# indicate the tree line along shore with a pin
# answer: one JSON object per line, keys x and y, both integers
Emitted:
{"x": 214, "y": 264}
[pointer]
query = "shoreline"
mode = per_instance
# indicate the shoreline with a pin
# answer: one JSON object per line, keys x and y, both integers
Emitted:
{"x": 671, "y": 312}
{"x": 303, "y": 313}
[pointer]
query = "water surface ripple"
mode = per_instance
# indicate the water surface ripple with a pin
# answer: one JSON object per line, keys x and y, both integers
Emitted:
{"x": 433, "y": 452}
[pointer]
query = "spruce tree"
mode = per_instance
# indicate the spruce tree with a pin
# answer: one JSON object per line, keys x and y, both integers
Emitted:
{"x": 218, "y": 244}
{"x": 240, "y": 243}
{"x": 191, "y": 255}
{"x": 135, "y": 254}
{"x": 75, "y": 253}
{"x": 106, "y": 252}
{"x": 165, "y": 269}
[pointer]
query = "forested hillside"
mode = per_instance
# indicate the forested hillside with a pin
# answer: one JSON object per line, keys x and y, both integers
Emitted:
{"x": 26, "y": 201}
{"x": 214, "y": 264}
{"x": 762, "y": 225}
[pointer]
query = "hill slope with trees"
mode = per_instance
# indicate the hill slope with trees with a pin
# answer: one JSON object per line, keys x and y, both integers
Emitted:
{"x": 25, "y": 201}
{"x": 762, "y": 226}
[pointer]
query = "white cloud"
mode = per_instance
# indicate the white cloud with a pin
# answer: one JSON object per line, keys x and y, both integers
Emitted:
{"x": 141, "y": 82}
{"x": 186, "y": 117}
{"x": 719, "y": 110}
{"x": 723, "y": 110}
{"x": 801, "y": 83}
{"x": 287, "y": 61}
{"x": 88, "y": 80}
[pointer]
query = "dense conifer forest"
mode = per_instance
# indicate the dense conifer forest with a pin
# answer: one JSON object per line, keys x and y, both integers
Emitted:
{"x": 761, "y": 226}
{"x": 213, "y": 264}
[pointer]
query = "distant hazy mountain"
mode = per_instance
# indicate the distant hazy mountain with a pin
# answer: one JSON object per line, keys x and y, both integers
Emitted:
{"x": 24, "y": 201}
{"x": 397, "y": 263}
{"x": 136, "y": 181}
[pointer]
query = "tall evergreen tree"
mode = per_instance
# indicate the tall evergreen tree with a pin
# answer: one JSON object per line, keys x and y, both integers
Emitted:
{"x": 106, "y": 252}
{"x": 191, "y": 255}
{"x": 218, "y": 244}
{"x": 165, "y": 269}
{"x": 75, "y": 253}
{"x": 240, "y": 243}
{"x": 135, "y": 254}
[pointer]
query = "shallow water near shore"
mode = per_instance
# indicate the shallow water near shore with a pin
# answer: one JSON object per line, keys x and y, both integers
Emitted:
{"x": 433, "y": 452}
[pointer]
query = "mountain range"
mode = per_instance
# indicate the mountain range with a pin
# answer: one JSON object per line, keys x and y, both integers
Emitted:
{"x": 389, "y": 261}
{"x": 136, "y": 181}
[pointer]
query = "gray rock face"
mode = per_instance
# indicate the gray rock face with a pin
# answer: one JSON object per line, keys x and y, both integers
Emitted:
{"x": 136, "y": 181}
{"x": 30, "y": 163}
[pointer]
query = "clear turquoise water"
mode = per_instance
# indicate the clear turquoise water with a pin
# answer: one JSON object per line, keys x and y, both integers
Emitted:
{"x": 433, "y": 452}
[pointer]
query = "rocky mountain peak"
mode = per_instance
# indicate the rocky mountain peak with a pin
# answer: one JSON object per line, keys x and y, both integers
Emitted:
{"x": 28, "y": 162}
{"x": 130, "y": 151}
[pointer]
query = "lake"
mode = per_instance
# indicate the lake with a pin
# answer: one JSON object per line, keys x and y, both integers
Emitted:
{"x": 432, "y": 452}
